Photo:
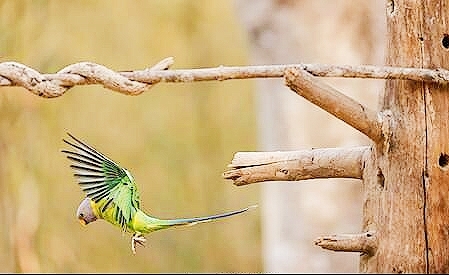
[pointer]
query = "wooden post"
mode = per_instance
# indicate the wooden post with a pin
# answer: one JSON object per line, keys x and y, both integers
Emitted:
{"x": 406, "y": 198}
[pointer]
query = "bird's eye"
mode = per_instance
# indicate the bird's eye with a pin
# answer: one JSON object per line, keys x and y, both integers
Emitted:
{"x": 81, "y": 215}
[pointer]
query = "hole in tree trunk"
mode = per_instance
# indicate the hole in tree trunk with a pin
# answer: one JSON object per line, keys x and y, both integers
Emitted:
{"x": 445, "y": 41}
{"x": 443, "y": 161}
{"x": 380, "y": 178}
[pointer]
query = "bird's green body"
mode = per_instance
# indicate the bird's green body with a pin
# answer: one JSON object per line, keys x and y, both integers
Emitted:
{"x": 143, "y": 223}
{"x": 112, "y": 195}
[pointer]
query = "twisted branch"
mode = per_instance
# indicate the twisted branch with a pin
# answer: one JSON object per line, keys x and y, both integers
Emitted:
{"x": 83, "y": 73}
{"x": 136, "y": 82}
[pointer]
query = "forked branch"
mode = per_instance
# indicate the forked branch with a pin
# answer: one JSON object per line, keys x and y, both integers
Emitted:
{"x": 253, "y": 167}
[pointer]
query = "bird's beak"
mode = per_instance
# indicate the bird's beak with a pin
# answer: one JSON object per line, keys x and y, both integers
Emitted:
{"x": 82, "y": 222}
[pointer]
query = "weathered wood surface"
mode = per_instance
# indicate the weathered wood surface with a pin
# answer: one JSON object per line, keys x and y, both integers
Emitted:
{"x": 406, "y": 199}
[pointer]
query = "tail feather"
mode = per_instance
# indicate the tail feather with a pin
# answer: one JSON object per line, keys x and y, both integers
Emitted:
{"x": 193, "y": 221}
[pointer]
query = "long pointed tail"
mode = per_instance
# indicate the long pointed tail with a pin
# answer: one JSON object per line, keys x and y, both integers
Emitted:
{"x": 193, "y": 221}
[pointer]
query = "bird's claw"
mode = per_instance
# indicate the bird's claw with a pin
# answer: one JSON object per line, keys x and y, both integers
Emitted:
{"x": 137, "y": 239}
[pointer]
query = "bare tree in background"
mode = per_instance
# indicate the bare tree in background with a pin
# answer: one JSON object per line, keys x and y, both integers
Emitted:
{"x": 341, "y": 32}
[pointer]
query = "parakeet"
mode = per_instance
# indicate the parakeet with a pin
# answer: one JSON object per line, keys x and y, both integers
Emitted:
{"x": 112, "y": 195}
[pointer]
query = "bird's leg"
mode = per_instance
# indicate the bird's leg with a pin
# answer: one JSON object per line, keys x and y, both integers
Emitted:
{"x": 139, "y": 239}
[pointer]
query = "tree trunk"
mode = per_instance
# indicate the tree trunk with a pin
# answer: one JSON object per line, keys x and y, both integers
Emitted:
{"x": 406, "y": 198}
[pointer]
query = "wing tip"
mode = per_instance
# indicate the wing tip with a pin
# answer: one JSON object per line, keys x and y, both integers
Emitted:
{"x": 69, "y": 134}
{"x": 70, "y": 142}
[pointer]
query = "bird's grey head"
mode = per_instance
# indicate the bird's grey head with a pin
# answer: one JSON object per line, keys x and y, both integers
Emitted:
{"x": 85, "y": 213}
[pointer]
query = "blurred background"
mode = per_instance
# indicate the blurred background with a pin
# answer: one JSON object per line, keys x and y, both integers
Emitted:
{"x": 177, "y": 139}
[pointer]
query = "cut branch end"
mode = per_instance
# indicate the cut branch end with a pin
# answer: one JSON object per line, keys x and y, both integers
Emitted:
{"x": 364, "y": 242}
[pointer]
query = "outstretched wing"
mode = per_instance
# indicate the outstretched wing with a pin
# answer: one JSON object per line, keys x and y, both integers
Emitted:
{"x": 104, "y": 181}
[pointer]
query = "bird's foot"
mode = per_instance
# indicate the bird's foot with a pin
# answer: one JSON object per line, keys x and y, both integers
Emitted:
{"x": 137, "y": 239}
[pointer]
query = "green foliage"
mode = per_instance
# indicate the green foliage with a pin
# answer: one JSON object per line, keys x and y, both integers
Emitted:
{"x": 176, "y": 139}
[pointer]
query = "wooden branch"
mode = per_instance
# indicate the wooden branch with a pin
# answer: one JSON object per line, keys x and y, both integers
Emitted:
{"x": 253, "y": 167}
{"x": 84, "y": 73}
{"x": 341, "y": 106}
{"x": 364, "y": 242}
{"x": 135, "y": 82}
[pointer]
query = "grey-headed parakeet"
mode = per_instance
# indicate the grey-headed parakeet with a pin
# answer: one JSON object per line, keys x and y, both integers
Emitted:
{"x": 112, "y": 195}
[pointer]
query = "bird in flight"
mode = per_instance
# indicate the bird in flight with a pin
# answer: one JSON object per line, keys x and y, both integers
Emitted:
{"x": 112, "y": 195}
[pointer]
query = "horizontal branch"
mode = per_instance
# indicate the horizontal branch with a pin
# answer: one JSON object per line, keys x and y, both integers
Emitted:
{"x": 364, "y": 242}
{"x": 253, "y": 167}
{"x": 341, "y": 106}
{"x": 135, "y": 82}
{"x": 83, "y": 73}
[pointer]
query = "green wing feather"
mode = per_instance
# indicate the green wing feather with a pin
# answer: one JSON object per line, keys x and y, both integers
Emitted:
{"x": 105, "y": 182}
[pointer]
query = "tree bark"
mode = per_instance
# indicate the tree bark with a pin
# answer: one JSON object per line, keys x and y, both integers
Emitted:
{"x": 407, "y": 181}
{"x": 251, "y": 167}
